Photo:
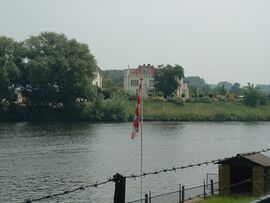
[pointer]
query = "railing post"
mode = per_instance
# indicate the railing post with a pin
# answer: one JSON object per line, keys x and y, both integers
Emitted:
{"x": 183, "y": 193}
{"x": 150, "y": 196}
{"x": 120, "y": 188}
{"x": 179, "y": 193}
{"x": 204, "y": 191}
{"x": 212, "y": 187}
{"x": 146, "y": 198}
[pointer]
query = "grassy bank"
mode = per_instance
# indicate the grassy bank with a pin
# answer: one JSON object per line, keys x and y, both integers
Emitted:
{"x": 122, "y": 110}
{"x": 219, "y": 111}
{"x": 240, "y": 199}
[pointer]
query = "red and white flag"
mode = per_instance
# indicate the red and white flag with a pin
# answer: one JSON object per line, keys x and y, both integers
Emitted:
{"x": 136, "y": 122}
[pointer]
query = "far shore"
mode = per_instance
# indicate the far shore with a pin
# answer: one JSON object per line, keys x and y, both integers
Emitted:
{"x": 157, "y": 111}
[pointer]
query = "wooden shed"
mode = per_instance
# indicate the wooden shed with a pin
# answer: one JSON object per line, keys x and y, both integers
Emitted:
{"x": 235, "y": 173}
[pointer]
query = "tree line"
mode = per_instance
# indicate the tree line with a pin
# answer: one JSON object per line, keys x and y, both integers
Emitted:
{"x": 54, "y": 75}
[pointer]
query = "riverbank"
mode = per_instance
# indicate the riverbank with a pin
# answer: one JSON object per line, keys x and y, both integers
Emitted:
{"x": 239, "y": 199}
{"x": 218, "y": 111}
{"x": 123, "y": 111}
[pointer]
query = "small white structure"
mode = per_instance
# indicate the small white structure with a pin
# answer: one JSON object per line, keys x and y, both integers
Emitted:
{"x": 98, "y": 80}
{"x": 183, "y": 90}
{"x": 132, "y": 78}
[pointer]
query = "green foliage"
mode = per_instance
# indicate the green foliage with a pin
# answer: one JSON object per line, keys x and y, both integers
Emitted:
{"x": 201, "y": 95}
{"x": 230, "y": 199}
{"x": 160, "y": 94}
{"x": 176, "y": 100}
{"x": 222, "y": 90}
{"x": 214, "y": 111}
{"x": 211, "y": 95}
{"x": 157, "y": 99}
{"x": 57, "y": 69}
{"x": 167, "y": 79}
{"x": 113, "y": 78}
{"x": 227, "y": 85}
{"x": 195, "y": 81}
{"x": 236, "y": 89}
{"x": 10, "y": 74}
{"x": 114, "y": 110}
{"x": 252, "y": 96}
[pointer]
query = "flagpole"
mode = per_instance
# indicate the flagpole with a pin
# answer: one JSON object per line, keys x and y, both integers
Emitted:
{"x": 141, "y": 139}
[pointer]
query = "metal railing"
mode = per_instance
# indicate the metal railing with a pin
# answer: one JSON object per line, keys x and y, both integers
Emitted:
{"x": 182, "y": 194}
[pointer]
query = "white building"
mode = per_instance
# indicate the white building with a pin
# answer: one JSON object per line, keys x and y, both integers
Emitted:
{"x": 98, "y": 80}
{"x": 183, "y": 90}
{"x": 132, "y": 78}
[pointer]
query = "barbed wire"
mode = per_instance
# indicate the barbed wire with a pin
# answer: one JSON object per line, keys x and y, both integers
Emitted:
{"x": 156, "y": 172}
{"x": 65, "y": 192}
{"x": 174, "y": 169}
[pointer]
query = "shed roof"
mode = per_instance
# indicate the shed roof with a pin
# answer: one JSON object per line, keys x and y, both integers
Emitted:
{"x": 255, "y": 158}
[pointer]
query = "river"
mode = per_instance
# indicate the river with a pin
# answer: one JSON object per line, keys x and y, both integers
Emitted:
{"x": 46, "y": 157}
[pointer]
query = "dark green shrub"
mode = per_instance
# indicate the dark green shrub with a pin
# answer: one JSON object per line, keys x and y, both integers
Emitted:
{"x": 211, "y": 95}
{"x": 160, "y": 94}
{"x": 176, "y": 100}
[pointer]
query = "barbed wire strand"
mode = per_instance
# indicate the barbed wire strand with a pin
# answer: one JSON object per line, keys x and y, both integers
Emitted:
{"x": 156, "y": 172}
{"x": 215, "y": 161}
{"x": 65, "y": 192}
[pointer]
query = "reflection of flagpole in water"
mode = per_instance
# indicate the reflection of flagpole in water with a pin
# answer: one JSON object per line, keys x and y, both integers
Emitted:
{"x": 141, "y": 138}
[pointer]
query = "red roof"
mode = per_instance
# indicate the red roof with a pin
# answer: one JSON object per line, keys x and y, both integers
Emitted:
{"x": 139, "y": 70}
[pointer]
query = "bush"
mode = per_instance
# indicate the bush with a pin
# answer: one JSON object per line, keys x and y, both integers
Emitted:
{"x": 132, "y": 97}
{"x": 114, "y": 110}
{"x": 252, "y": 96}
{"x": 263, "y": 100}
{"x": 206, "y": 100}
{"x": 201, "y": 95}
{"x": 160, "y": 94}
{"x": 176, "y": 100}
{"x": 157, "y": 99}
{"x": 211, "y": 95}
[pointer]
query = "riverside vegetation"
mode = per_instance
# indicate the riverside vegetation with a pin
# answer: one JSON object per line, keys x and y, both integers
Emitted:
{"x": 54, "y": 75}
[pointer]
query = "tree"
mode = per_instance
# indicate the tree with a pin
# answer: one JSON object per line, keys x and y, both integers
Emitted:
{"x": 196, "y": 82}
{"x": 167, "y": 78}
{"x": 222, "y": 90}
{"x": 236, "y": 89}
{"x": 57, "y": 69}
{"x": 252, "y": 96}
{"x": 9, "y": 71}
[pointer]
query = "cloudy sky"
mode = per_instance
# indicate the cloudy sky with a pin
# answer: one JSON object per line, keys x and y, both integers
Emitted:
{"x": 214, "y": 39}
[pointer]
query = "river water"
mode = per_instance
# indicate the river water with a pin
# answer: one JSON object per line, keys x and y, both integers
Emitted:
{"x": 40, "y": 158}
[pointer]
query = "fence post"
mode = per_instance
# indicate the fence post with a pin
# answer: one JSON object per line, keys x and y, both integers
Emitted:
{"x": 212, "y": 187}
{"x": 146, "y": 198}
{"x": 180, "y": 193}
{"x": 204, "y": 191}
{"x": 183, "y": 193}
{"x": 150, "y": 196}
{"x": 120, "y": 188}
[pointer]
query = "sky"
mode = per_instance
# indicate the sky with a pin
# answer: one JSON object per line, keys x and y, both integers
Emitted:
{"x": 218, "y": 40}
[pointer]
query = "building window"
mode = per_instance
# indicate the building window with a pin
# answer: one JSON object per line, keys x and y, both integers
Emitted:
{"x": 134, "y": 83}
{"x": 145, "y": 72}
{"x": 151, "y": 83}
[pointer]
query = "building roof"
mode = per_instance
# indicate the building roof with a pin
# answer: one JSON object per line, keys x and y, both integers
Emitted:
{"x": 254, "y": 158}
{"x": 139, "y": 70}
